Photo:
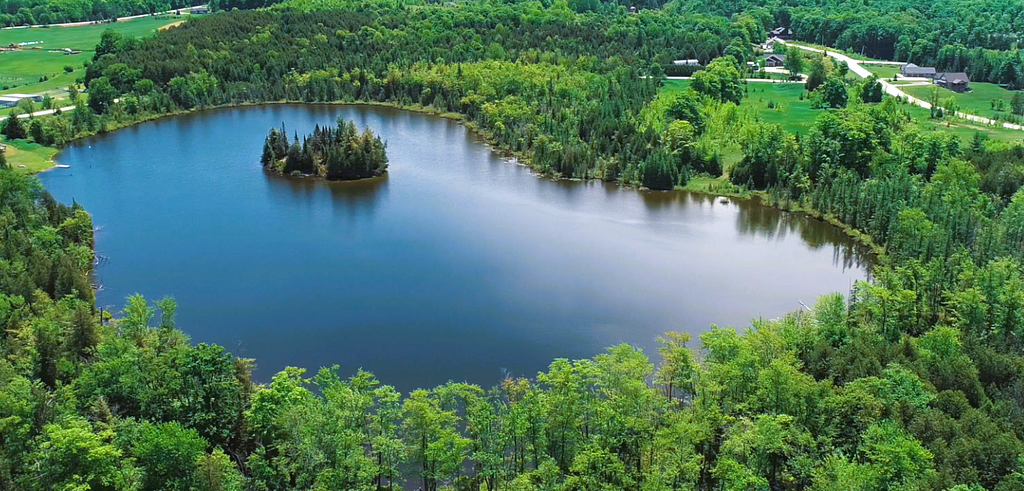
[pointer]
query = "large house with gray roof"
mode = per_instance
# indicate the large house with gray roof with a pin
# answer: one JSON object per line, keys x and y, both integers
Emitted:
{"x": 955, "y": 81}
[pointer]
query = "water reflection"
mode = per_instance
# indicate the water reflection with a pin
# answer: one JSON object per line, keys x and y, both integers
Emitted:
{"x": 458, "y": 264}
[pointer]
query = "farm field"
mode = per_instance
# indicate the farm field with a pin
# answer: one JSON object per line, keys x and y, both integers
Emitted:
{"x": 22, "y": 70}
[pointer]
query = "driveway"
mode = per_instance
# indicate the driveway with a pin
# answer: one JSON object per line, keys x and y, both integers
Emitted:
{"x": 893, "y": 90}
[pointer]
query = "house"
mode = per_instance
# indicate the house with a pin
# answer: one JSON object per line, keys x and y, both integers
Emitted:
{"x": 783, "y": 33}
{"x": 686, "y": 62}
{"x": 912, "y": 70}
{"x": 200, "y": 10}
{"x": 11, "y": 100}
{"x": 955, "y": 81}
{"x": 774, "y": 60}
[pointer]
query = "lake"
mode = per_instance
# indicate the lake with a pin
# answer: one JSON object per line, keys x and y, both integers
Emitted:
{"x": 460, "y": 264}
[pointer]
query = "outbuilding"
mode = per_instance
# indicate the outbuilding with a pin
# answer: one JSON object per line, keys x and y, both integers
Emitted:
{"x": 912, "y": 70}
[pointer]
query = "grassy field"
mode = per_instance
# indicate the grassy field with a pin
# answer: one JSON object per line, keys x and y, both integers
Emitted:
{"x": 886, "y": 72}
{"x": 23, "y": 69}
{"x": 787, "y": 110}
{"x": 978, "y": 101}
{"x": 781, "y": 104}
{"x": 29, "y": 157}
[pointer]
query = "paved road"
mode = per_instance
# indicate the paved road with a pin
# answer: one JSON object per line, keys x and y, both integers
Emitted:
{"x": 893, "y": 90}
{"x": 42, "y": 113}
{"x": 91, "y": 22}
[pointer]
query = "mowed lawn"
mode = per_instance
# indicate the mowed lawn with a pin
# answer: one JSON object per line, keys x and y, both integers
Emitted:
{"x": 797, "y": 116}
{"x": 977, "y": 102}
{"x": 28, "y": 157}
{"x": 780, "y": 104}
{"x": 24, "y": 68}
{"x": 885, "y": 72}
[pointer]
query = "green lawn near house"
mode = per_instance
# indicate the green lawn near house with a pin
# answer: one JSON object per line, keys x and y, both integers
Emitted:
{"x": 26, "y": 157}
{"x": 965, "y": 130}
{"x": 885, "y": 72}
{"x": 781, "y": 104}
{"x": 977, "y": 102}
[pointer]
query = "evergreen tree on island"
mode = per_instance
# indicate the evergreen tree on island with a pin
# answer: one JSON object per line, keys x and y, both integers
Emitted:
{"x": 336, "y": 154}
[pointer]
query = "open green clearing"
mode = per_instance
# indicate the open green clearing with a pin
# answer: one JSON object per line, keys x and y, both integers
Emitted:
{"x": 978, "y": 101}
{"x": 781, "y": 104}
{"x": 23, "y": 69}
{"x": 886, "y": 72}
{"x": 32, "y": 156}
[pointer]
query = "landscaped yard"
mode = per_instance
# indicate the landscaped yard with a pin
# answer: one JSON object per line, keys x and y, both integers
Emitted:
{"x": 977, "y": 102}
{"x": 886, "y": 72}
{"x": 781, "y": 104}
{"x": 28, "y": 157}
{"x": 22, "y": 69}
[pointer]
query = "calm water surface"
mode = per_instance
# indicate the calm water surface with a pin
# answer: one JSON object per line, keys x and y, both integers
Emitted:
{"x": 458, "y": 265}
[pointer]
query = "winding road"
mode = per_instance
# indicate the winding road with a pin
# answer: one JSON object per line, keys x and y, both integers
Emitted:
{"x": 894, "y": 90}
{"x": 42, "y": 113}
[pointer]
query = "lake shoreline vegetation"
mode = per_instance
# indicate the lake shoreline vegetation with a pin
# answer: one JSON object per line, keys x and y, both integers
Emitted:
{"x": 338, "y": 154}
{"x": 912, "y": 380}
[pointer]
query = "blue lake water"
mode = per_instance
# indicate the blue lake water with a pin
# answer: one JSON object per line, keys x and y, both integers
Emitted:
{"x": 458, "y": 265}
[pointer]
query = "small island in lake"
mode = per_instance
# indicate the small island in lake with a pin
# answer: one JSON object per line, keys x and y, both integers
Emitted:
{"x": 335, "y": 154}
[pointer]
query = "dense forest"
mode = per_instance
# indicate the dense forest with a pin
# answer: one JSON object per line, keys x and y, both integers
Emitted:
{"x": 335, "y": 154}
{"x": 914, "y": 380}
{"x": 32, "y": 12}
{"x": 562, "y": 88}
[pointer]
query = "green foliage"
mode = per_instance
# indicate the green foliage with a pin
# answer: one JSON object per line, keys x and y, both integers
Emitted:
{"x": 101, "y": 95}
{"x": 14, "y": 128}
{"x": 818, "y": 74}
{"x": 831, "y": 94}
{"x": 720, "y": 81}
{"x": 871, "y": 90}
{"x": 794, "y": 63}
{"x": 167, "y": 451}
{"x": 332, "y": 153}
{"x": 912, "y": 381}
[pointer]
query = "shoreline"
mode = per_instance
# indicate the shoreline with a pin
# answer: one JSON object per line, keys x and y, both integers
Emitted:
{"x": 730, "y": 191}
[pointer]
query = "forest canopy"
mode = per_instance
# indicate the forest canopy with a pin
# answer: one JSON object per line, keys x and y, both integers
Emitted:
{"x": 913, "y": 380}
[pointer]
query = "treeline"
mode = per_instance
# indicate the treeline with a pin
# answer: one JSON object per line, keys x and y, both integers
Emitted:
{"x": 32, "y": 12}
{"x": 560, "y": 88}
{"x": 45, "y": 246}
{"x": 336, "y": 154}
{"x": 984, "y": 34}
{"x": 854, "y": 394}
